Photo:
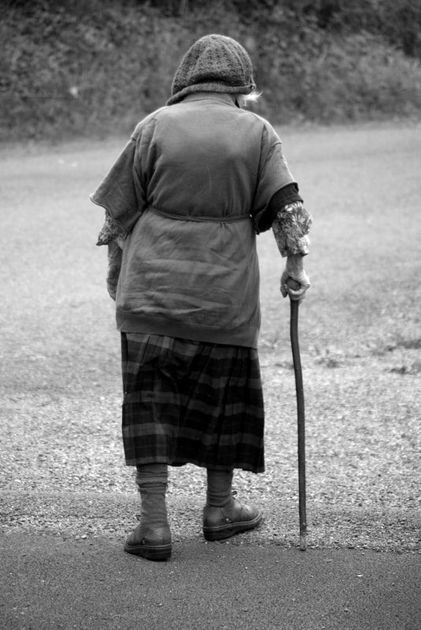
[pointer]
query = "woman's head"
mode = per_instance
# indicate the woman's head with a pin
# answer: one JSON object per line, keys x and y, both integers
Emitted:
{"x": 214, "y": 63}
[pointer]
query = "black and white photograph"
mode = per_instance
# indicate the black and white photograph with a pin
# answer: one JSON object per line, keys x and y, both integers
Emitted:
{"x": 210, "y": 325}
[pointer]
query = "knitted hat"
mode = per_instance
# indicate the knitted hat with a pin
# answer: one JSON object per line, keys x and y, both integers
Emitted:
{"x": 215, "y": 63}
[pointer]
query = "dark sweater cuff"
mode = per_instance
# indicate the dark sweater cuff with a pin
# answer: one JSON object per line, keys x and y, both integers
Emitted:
{"x": 284, "y": 196}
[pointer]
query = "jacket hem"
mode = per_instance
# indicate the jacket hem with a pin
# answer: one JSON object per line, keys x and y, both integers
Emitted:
{"x": 129, "y": 323}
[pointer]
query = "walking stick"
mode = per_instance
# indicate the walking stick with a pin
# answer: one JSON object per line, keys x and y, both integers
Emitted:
{"x": 294, "y": 306}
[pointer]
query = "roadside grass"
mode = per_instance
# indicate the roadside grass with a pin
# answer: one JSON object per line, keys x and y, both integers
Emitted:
{"x": 61, "y": 464}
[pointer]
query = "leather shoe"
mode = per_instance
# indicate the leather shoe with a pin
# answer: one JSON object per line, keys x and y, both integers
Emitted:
{"x": 152, "y": 543}
{"x": 220, "y": 523}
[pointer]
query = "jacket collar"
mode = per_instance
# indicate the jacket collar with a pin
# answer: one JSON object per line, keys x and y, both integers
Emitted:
{"x": 210, "y": 97}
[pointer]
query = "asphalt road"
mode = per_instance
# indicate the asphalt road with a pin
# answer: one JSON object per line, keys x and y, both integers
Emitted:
{"x": 47, "y": 582}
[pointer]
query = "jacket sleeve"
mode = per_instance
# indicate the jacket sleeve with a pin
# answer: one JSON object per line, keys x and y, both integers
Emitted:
{"x": 273, "y": 175}
{"x": 121, "y": 192}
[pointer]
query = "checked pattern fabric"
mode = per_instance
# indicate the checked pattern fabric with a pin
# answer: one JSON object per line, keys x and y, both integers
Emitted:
{"x": 191, "y": 402}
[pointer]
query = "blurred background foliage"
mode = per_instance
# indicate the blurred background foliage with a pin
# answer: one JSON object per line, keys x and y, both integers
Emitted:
{"x": 94, "y": 67}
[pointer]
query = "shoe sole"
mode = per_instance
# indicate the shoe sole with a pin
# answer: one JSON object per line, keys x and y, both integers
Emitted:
{"x": 157, "y": 552}
{"x": 222, "y": 532}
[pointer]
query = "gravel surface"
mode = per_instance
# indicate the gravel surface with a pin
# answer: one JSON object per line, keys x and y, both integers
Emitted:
{"x": 65, "y": 471}
{"x": 61, "y": 461}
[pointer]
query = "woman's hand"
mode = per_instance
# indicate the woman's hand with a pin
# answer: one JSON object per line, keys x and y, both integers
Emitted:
{"x": 294, "y": 269}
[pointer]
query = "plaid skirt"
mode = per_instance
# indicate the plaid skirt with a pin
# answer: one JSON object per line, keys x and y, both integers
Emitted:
{"x": 191, "y": 402}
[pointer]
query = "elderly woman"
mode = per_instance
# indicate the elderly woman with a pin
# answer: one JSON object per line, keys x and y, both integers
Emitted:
{"x": 198, "y": 179}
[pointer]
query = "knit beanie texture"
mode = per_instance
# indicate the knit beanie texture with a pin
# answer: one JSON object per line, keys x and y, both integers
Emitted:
{"x": 214, "y": 63}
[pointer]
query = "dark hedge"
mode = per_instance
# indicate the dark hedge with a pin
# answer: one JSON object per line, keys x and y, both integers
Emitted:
{"x": 95, "y": 68}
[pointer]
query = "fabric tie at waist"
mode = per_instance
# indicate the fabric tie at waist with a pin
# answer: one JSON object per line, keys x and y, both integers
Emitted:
{"x": 185, "y": 217}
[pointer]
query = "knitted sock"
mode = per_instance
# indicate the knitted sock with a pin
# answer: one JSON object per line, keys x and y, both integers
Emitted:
{"x": 219, "y": 491}
{"x": 152, "y": 481}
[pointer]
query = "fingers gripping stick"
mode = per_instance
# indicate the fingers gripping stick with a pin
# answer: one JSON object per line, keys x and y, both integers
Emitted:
{"x": 293, "y": 284}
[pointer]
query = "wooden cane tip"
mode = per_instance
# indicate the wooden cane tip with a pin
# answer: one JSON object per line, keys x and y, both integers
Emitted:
{"x": 303, "y": 542}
